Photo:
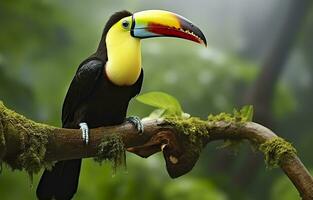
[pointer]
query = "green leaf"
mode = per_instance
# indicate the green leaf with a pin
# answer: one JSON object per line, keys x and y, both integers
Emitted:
{"x": 157, "y": 113}
{"x": 247, "y": 112}
{"x": 161, "y": 100}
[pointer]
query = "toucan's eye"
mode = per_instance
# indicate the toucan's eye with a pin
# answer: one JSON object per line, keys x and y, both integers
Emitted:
{"x": 125, "y": 24}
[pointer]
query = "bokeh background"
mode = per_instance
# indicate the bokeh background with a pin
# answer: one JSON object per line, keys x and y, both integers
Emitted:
{"x": 259, "y": 52}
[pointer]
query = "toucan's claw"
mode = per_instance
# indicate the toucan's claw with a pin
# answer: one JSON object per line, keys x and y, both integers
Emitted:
{"x": 85, "y": 132}
{"x": 136, "y": 121}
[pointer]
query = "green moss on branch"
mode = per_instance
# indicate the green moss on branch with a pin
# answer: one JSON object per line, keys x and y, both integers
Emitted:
{"x": 112, "y": 149}
{"x": 241, "y": 116}
{"x": 193, "y": 127}
{"x": 198, "y": 130}
{"x": 275, "y": 150}
{"x": 23, "y": 144}
{"x": 27, "y": 138}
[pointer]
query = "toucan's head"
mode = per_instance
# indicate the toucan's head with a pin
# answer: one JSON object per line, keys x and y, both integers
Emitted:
{"x": 120, "y": 43}
{"x": 154, "y": 23}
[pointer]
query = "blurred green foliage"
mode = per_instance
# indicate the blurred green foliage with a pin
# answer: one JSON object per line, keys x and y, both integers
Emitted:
{"x": 43, "y": 42}
{"x": 283, "y": 189}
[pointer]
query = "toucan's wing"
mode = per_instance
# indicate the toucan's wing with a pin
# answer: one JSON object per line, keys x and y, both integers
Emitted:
{"x": 82, "y": 85}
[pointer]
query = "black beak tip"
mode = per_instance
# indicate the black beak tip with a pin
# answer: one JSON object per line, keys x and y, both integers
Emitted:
{"x": 204, "y": 40}
{"x": 187, "y": 25}
{"x": 199, "y": 33}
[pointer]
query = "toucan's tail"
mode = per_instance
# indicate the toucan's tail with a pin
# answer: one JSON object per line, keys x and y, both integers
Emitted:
{"x": 61, "y": 182}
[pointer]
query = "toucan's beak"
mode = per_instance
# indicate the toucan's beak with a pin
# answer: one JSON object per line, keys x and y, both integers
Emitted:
{"x": 159, "y": 23}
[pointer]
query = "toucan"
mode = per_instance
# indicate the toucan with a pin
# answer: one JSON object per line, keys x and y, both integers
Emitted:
{"x": 106, "y": 81}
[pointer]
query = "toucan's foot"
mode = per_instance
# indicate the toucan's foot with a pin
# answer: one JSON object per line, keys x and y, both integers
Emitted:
{"x": 85, "y": 132}
{"x": 136, "y": 121}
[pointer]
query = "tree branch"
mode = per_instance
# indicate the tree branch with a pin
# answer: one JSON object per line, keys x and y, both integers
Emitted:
{"x": 25, "y": 144}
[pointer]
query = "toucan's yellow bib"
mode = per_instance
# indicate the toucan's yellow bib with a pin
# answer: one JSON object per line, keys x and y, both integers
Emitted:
{"x": 124, "y": 57}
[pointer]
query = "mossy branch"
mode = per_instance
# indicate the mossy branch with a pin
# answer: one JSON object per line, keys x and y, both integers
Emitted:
{"x": 26, "y": 145}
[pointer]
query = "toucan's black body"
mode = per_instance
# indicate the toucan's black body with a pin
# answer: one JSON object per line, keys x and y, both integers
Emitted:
{"x": 94, "y": 99}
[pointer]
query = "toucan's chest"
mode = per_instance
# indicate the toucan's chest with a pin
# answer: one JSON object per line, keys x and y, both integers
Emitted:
{"x": 124, "y": 71}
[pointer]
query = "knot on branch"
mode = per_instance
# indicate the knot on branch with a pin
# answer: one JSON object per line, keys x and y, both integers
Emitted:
{"x": 188, "y": 136}
{"x": 27, "y": 138}
{"x": 275, "y": 150}
{"x": 183, "y": 143}
{"x": 179, "y": 154}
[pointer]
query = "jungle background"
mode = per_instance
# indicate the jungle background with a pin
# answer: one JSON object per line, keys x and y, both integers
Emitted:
{"x": 259, "y": 52}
